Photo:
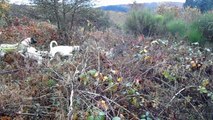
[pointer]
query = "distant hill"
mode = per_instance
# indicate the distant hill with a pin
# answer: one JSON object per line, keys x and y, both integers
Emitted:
{"x": 116, "y": 8}
{"x": 126, "y": 8}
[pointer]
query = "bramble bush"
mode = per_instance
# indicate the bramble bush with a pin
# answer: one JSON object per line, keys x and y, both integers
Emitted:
{"x": 21, "y": 28}
{"x": 148, "y": 81}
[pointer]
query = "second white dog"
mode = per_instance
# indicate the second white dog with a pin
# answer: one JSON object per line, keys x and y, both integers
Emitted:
{"x": 32, "y": 53}
{"x": 62, "y": 50}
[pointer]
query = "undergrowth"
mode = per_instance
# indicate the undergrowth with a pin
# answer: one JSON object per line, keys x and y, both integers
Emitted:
{"x": 157, "y": 79}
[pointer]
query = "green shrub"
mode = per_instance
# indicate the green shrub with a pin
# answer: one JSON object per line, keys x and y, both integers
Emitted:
{"x": 168, "y": 16}
{"x": 194, "y": 35}
{"x": 51, "y": 83}
{"x": 143, "y": 22}
{"x": 177, "y": 27}
{"x": 205, "y": 25}
{"x": 201, "y": 29}
{"x": 159, "y": 24}
{"x": 159, "y": 18}
{"x": 132, "y": 24}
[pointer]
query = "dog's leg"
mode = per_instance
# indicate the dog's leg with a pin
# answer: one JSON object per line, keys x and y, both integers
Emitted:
{"x": 70, "y": 57}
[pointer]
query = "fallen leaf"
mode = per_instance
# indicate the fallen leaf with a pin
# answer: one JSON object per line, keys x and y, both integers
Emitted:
{"x": 120, "y": 79}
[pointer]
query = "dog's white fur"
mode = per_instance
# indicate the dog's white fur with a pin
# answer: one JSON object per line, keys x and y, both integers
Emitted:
{"x": 62, "y": 50}
{"x": 43, "y": 53}
{"x": 26, "y": 42}
{"x": 32, "y": 53}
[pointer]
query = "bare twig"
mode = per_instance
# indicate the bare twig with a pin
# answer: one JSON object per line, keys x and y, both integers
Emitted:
{"x": 31, "y": 114}
{"x": 71, "y": 107}
{"x": 99, "y": 62}
{"x": 179, "y": 92}
{"x": 9, "y": 72}
{"x": 95, "y": 94}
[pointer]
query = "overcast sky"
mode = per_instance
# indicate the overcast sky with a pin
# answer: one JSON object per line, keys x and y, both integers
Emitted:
{"x": 107, "y": 2}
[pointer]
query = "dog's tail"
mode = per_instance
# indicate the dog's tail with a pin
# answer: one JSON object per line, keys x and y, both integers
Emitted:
{"x": 51, "y": 44}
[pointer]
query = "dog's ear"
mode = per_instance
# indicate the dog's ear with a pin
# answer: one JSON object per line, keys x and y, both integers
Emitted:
{"x": 33, "y": 41}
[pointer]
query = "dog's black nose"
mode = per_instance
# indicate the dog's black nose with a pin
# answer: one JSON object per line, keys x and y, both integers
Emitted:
{"x": 33, "y": 41}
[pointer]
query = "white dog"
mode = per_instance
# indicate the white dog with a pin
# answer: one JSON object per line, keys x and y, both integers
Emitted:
{"x": 32, "y": 53}
{"x": 62, "y": 50}
{"x": 20, "y": 47}
{"x": 28, "y": 41}
{"x": 44, "y": 54}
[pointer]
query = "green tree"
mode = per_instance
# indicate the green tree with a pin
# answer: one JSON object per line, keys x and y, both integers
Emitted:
{"x": 4, "y": 10}
{"x": 203, "y": 5}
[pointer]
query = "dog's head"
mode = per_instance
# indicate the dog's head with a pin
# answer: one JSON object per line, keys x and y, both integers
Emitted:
{"x": 33, "y": 40}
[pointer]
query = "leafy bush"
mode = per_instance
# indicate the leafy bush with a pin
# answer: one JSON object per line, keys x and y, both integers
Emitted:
{"x": 201, "y": 29}
{"x": 132, "y": 23}
{"x": 159, "y": 24}
{"x": 143, "y": 22}
{"x": 205, "y": 24}
{"x": 176, "y": 27}
{"x": 168, "y": 16}
{"x": 149, "y": 23}
{"x": 194, "y": 35}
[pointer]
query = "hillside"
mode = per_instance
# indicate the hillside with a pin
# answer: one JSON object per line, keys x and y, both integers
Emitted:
{"x": 116, "y": 8}
{"x": 126, "y": 8}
